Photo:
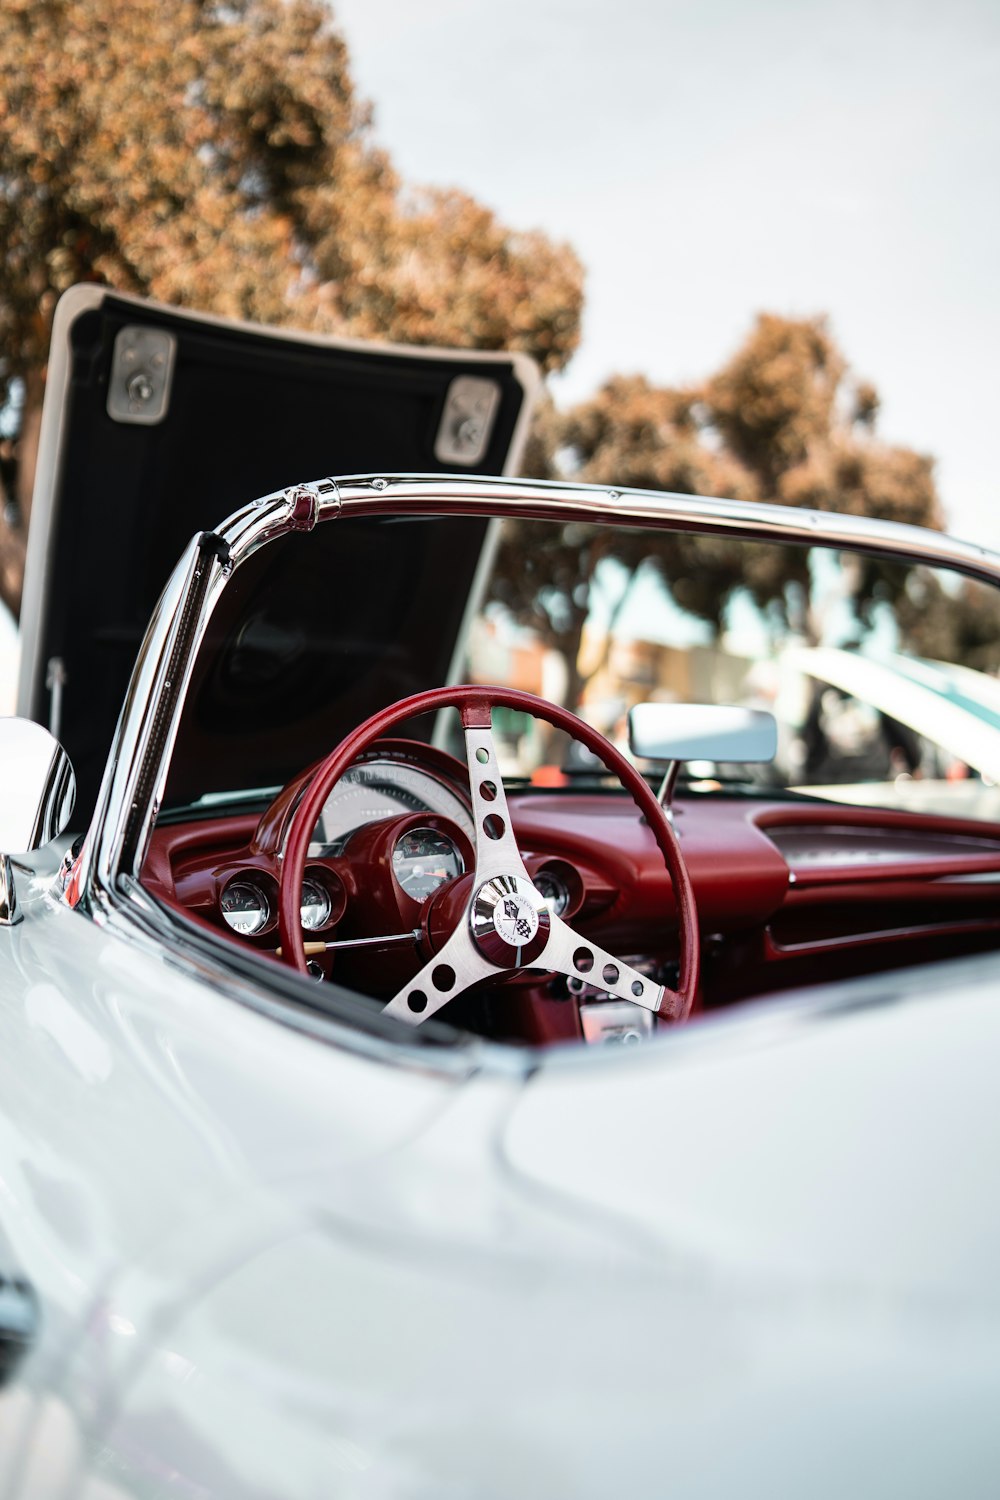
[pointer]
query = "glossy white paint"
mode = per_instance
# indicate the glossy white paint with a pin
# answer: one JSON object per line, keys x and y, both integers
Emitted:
{"x": 275, "y": 1268}
{"x": 882, "y": 1193}
{"x": 138, "y": 1109}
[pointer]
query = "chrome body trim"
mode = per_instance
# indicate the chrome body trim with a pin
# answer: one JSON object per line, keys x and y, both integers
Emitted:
{"x": 10, "y": 912}
{"x": 134, "y": 781}
{"x": 175, "y": 627}
{"x": 414, "y": 495}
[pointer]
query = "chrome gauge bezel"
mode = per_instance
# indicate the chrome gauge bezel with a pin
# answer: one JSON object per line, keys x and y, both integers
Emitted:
{"x": 264, "y": 889}
{"x": 324, "y": 904}
{"x": 437, "y": 833}
{"x": 268, "y": 905}
{"x": 566, "y": 881}
{"x": 556, "y": 904}
{"x": 334, "y": 894}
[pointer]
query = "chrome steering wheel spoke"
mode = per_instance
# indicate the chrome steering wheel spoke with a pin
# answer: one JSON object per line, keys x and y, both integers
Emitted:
{"x": 457, "y": 966}
{"x": 580, "y": 958}
{"x": 496, "y": 848}
{"x": 506, "y": 924}
{"x": 510, "y": 923}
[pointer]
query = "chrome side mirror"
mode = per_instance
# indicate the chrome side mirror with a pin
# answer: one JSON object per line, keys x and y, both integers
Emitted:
{"x": 37, "y": 792}
{"x": 677, "y": 732}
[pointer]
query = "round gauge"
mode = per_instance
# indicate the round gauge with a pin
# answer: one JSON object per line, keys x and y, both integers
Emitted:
{"x": 315, "y": 906}
{"x": 424, "y": 859}
{"x": 552, "y": 891}
{"x": 245, "y": 907}
{"x": 384, "y": 788}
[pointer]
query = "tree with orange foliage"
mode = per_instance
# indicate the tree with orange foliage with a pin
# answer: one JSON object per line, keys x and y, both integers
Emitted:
{"x": 215, "y": 156}
{"x": 783, "y": 421}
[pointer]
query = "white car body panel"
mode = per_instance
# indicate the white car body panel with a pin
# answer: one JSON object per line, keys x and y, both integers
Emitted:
{"x": 138, "y": 1109}
{"x": 301, "y": 1272}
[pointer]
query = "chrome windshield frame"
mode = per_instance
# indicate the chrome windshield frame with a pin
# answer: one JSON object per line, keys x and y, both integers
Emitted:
{"x": 135, "y": 777}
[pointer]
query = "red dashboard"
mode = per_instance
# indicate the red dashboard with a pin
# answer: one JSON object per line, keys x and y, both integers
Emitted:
{"x": 788, "y": 892}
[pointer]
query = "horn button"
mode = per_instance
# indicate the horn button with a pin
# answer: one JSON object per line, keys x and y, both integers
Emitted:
{"x": 510, "y": 921}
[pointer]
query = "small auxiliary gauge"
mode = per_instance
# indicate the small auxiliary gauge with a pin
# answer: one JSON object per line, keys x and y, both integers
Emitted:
{"x": 245, "y": 908}
{"x": 315, "y": 906}
{"x": 552, "y": 891}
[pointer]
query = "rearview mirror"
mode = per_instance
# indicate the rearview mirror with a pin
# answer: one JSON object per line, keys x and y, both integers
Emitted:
{"x": 701, "y": 731}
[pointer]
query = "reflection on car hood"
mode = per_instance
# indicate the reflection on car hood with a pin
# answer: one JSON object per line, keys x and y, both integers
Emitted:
{"x": 826, "y": 1181}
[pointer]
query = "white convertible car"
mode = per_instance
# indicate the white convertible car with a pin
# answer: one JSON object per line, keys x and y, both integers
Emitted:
{"x": 410, "y": 1088}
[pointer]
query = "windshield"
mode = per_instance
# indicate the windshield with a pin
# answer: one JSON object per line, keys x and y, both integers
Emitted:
{"x": 882, "y": 677}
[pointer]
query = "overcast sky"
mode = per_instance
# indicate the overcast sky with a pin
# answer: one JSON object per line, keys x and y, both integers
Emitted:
{"x": 709, "y": 159}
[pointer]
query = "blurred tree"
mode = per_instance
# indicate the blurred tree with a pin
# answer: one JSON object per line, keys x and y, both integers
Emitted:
{"x": 213, "y": 154}
{"x": 784, "y": 420}
{"x": 950, "y": 624}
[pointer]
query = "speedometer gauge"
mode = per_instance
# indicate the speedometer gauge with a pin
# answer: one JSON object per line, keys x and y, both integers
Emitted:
{"x": 381, "y": 788}
{"x": 423, "y": 859}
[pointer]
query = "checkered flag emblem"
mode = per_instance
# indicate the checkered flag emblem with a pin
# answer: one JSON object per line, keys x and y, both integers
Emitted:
{"x": 522, "y": 926}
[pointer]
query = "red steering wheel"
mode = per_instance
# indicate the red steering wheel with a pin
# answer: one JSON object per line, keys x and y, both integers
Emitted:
{"x": 505, "y": 925}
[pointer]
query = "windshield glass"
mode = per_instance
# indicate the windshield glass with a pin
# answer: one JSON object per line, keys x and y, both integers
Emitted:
{"x": 882, "y": 677}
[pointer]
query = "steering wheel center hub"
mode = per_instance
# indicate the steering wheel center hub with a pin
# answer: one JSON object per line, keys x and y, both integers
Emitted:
{"x": 510, "y": 922}
{"x": 515, "y": 920}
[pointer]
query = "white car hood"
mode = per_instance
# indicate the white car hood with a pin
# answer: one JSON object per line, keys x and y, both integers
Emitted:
{"x": 625, "y": 1278}
{"x": 847, "y": 1145}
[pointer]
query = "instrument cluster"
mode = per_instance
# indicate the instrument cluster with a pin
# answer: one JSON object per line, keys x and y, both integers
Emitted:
{"x": 379, "y": 788}
{"x": 395, "y": 831}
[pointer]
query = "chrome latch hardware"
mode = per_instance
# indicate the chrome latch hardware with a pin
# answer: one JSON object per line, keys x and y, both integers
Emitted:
{"x": 142, "y": 368}
{"x": 468, "y": 419}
